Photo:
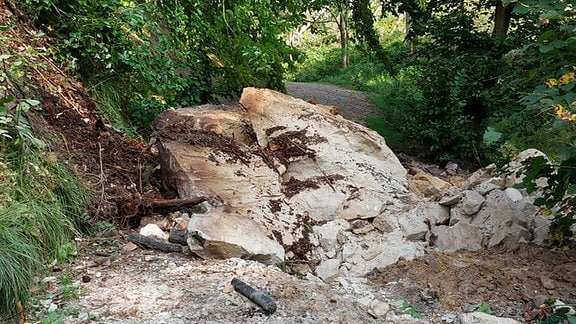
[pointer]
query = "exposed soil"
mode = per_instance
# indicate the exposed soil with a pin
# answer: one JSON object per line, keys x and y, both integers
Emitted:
{"x": 121, "y": 283}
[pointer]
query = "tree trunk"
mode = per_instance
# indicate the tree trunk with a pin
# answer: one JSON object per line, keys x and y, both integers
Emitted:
{"x": 502, "y": 18}
{"x": 343, "y": 28}
{"x": 410, "y": 37}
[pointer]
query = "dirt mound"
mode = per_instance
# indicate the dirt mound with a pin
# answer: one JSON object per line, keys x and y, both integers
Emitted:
{"x": 507, "y": 280}
{"x": 115, "y": 166}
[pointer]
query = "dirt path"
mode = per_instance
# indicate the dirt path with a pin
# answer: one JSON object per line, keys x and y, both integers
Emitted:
{"x": 351, "y": 104}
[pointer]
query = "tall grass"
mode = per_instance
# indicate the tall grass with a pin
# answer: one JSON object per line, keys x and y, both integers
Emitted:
{"x": 112, "y": 101}
{"x": 40, "y": 211}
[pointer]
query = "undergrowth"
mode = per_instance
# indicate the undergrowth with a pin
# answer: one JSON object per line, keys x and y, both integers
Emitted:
{"x": 41, "y": 202}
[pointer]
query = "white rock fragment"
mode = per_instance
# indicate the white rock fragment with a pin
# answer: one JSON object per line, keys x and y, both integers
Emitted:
{"x": 154, "y": 231}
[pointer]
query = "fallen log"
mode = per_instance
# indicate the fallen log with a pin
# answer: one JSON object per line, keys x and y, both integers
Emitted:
{"x": 155, "y": 244}
{"x": 259, "y": 297}
{"x": 172, "y": 205}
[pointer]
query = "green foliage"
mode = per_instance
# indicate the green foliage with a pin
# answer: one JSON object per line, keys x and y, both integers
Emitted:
{"x": 484, "y": 308}
{"x": 170, "y": 53}
{"x": 405, "y": 308}
{"x": 42, "y": 202}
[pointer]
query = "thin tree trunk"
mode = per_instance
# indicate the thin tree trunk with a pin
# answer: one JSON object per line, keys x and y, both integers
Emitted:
{"x": 343, "y": 28}
{"x": 502, "y": 18}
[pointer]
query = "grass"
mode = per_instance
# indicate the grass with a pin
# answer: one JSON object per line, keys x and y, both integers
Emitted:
{"x": 40, "y": 210}
{"x": 111, "y": 101}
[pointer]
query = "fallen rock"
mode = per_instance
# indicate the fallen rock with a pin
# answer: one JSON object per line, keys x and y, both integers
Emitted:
{"x": 462, "y": 236}
{"x": 154, "y": 231}
{"x": 424, "y": 185}
{"x": 224, "y": 235}
{"x": 280, "y": 166}
{"x": 328, "y": 269}
{"x": 483, "y": 318}
{"x": 502, "y": 220}
{"x": 472, "y": 202}
{"x": 378, "y": 309}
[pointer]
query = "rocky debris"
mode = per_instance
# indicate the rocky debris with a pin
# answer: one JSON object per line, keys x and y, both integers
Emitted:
{"x": 486, "y": 211}
{"x": 172, "y": 288}
{"x": 286, "y": 180}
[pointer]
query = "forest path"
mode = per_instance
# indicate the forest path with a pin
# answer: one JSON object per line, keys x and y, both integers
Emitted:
{"x": 351, "y": 104}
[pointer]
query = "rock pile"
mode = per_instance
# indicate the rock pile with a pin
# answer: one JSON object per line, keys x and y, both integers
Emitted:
{"x": 287, "y": 180}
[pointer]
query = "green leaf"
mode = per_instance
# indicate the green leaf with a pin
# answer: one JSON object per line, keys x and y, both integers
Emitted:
{"x": 551, "y": 14}
{"x": 5, "y": 100}
{"x": 545, "y": 48}
{"x": 5, "y": 57}
{"x": 521, "y": 9}
{"x": 546, "y": 35}
{"x": 557, "y": 43}
{"x": 4, "y": 28}
{"x": 33, "y": 102}
{"x": 540, "y": 201}
{"x": 484, "y": 308}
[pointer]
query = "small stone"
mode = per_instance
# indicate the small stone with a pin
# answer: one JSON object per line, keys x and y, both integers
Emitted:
{"x": 513, "y": 194}
{"x": 472, "y": 202}
{"x": 378, "y": 308}
{"x": 49, "y": 279}
{"x": 163, "y": 289}
{"x": 485, "y": 187}
{"x": 129, "y": 247}
{"x": 546, "y": 282}
{"x": 483, "y": 318}
{"x": 328, "y": 269}
{"x": 361, "y": 227}
{"x": 450, "y": 200}
{"x": 153, "y": 230}
{"x": 228, "y": 288}
{"x": 381, "y": 224}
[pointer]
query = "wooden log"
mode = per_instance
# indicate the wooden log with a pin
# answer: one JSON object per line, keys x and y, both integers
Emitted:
{"x": 259, "y": 297}
{"x": 177, "y": 236}
{"x": 172, "y": 205}
{"x": 155, "y": 244}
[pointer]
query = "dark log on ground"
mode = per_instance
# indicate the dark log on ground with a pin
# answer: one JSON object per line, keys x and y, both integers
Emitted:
{"x": 177, "y": 236}
{"x": 259, "y": 297}
{"x": 172, "y": 205}
{"x": 151, "y": 243}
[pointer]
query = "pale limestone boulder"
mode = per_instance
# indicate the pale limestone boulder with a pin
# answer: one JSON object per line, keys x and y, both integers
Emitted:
{"x": 222, "y": 235}
{"x": 415, "y": 222}
{"x": 502, "y": 220}
{"x": 280, "y": 166}
{"x": 361, "y": 254}
{"x": 328, "y": 270}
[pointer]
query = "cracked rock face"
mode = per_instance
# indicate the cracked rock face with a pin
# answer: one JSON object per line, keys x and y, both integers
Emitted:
{"x": 281, "y": 165}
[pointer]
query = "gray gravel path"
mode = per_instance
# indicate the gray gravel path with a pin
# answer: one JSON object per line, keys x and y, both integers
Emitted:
{"x": 352, "y": 105}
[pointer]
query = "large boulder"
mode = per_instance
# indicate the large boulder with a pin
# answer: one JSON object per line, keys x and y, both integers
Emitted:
{"x": 274, "y": 168}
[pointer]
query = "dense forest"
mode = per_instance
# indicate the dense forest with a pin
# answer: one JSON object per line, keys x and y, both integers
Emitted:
{"x": 457, "y": 80}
